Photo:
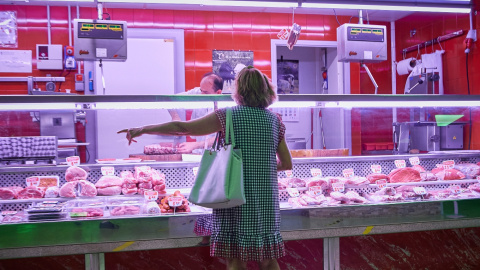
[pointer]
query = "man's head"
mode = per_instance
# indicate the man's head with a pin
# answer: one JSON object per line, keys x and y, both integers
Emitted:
{"x": 211, "y": 84}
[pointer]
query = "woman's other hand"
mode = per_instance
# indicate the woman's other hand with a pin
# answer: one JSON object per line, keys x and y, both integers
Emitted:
{"x": 131, "y": 133}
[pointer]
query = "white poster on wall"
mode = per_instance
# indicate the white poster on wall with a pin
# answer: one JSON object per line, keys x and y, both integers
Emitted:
{"x": 16, "y": 61}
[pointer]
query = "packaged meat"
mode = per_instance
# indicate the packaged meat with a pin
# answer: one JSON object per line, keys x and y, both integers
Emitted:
{"x": 8, "y": 193}
{"x": 404, "y": 175}
{"x": 158, "y": 178}
{"x": 75, "y": 173}
{"x": 141, "y": 191}
{"x": 52, "y": 192}
{"x": 143, "y": 174}
{"x": 109, "y": 191}
{"x": 450, "y": 174}
{"x": 419, "y": 168}
{"x": 86, "y": 189}
{"x": 126, "y": 190}
{"x": 160, "y": 189}
{"x": 152, "y": 208}
{"x": 85, "y": 208}
{"x": 128, "y": 177}
{"x": 127, "y": 210}
{"x": 69, "y": 190}
{"x": 470, "y": 170}
{"x": 31, "y": 192}
{"x": 145, "y": 185}
{"x": 373, "y": 177}
{"x": 109, "y": 181}
{"x": 14, "y": 217}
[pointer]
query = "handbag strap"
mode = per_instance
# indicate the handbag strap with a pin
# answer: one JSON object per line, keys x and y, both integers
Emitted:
{"x": 229, "y": 128}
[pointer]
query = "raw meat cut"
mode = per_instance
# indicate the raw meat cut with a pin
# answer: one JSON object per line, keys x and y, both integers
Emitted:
{"x": 408, "y": 193}
{"x": 403, "y": 175}
{"x": 128, "y": 177}
{"x": 125, "y": 210}
{"x": 90, "y": 212}
{"x": 157, "y": 149}
{"x": 109, "y": 181}
{"x": 129, "y": 191}
{"x": 75, "y": 173}
{"x": 390, "y": 191}
{"x": 475, "y": 187}
{"x": 165, "y": 208}
{"x": 450, "y": 174}
{"x": 8, "y": 193}
{"x": 297, "y": 202}
{"x": 86, "y": 189}
{"x": 355, "y": 197}
{"x": 109, "y": 191}
{"x": 437, "y": 170}
{"x": 69, "y": 190}
{"x": 470, "y": 170}
{"x": 339, "y": 197}
{"x": 160, "y": 189}
{"x": 145, "y": 185}
{"x": 31, "y": 192}
{"x": 356, "y": 181}
{"x": 428, "y": 176}
{"x": 372, "y": 178}
{"x": 158, "y": 178}
{"x": 296, "y": 182}
{"x": 143, "y": 174}
{"x": 318, "y": 182}
{"x": 52, "y": 192}
{"x": 418, "y": 168}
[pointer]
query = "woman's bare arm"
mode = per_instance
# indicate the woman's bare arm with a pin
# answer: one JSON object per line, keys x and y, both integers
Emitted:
{"x": 284, "y": 158}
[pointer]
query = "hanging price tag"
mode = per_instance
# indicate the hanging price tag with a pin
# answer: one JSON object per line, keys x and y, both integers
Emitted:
{"x": 414, "y": 161}
{"x": 316, "y": 172}
{"x": 283, "y": 34}
{"x": 448, "y": 164}
{"x": 376, "y": 168}
{"x": 175, "y": 201}
{"x": 108, "y": 170}
{"x": 293, "y": 192}
{"x": 340, "y": 187}
{"x": 33, "y": 181}
{"x": 456, "y": 189}
{"x": 381, "y": 183}
{"x": 420, "y": 190}
{"x": 400, "y": 163}
{"x": 315, "y": 190}
{"x": 73, "y": 161}
{"x": 289, "y": 173}
{"x": 348, "y": 173}
{"x": 150, "y": 195}
{"x": 4, "y": 213}
{"x": 195, "y": 170}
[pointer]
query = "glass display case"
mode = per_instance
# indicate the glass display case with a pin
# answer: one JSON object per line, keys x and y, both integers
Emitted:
{"x": 362, "y": 164}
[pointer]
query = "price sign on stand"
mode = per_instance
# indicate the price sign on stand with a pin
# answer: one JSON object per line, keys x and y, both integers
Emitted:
{"x": 33, "y": 181}
{"x": 293, "y": 192}
{"x": 316, "y": 172}
{"x": 108, "y": 170}
{"x": 376, "y": 168}
{"x": 315, "y": 190}
{"x": 73, "y": 161}
{"x": 175, "y": 201}
{"x": 414, "y": 161}
{"x": 420, "y": 190}
{"x": 289, "y": 173}
{"x": 348, "y": 173}
{"x": 150, "y": 195}
{"x": 340, "y": 187}
{"x": 456, "y": 189}
{"x": 381, "y": 183}
{"x": 448, "y": 164}
{"x": 195, "y": 171}
{"x": 400, "y": 163}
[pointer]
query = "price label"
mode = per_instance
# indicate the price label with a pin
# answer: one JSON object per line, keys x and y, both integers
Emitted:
{"x": 293, "y": 192}
{"x": 400, "y": 163}
{"x": 175, "y": 201}
{"x": 448, "y": 164}
{"x": 455, "y": 189}
{"x": 340, "y": 187}
{"x": 420, "y": 190}
{"x": 376, "y": 168}
{"x": 150, "y": 195}
{"x": 414, "y": 161}
{"x": 108, "y": 170}
{"x": 381, "y": 183}
{"x": 289, "y": 173}
{"x": 315, "y": 190}
{"x": 33, "y": 181}
{"x": 348, "y": 173}
{"x": 195, "y": 170}
{"x": 316, "y": 172}
{"x": 5, "y": 213}
{"x": 73, "y": 161}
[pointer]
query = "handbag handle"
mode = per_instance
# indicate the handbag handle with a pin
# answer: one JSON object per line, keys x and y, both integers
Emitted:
{"x": 229, "y": 128}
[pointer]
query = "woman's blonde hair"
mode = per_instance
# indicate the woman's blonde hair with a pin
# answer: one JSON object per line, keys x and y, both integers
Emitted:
{"x": 253, "y": 89}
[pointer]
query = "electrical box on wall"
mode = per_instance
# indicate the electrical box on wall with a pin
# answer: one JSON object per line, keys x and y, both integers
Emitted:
{"x": 49, "y": 57}
{"x": 362, "y": 43}
{"x": 100, "y": 40}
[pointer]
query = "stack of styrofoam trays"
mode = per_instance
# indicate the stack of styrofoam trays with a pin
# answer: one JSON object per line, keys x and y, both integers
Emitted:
{"x": 19, "y": 147}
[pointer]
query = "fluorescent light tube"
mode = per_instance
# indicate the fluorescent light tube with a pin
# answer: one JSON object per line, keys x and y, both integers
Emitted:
{"x": 385, "y": 7}
{"x": 213, "y": 3}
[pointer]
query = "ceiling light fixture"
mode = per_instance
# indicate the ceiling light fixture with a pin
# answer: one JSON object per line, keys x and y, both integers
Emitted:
{"x": 388, "y": 7}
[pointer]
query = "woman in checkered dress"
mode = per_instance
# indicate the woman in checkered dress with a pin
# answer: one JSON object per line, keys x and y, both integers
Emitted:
{"x": 250, "y": 232}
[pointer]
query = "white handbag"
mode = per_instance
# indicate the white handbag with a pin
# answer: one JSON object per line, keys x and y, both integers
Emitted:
{"x": 219, "y": 181}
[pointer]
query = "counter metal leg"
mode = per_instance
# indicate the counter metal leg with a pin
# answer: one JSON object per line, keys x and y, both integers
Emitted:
{"x": 95, "y": 261}
{"x": 331, "y": 253}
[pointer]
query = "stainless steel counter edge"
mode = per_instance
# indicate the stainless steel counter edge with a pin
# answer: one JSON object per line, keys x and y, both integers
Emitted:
{"x": 133, "y": 245}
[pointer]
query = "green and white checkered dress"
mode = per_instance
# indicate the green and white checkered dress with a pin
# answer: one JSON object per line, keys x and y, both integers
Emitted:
{"x": 251, "y": 232}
